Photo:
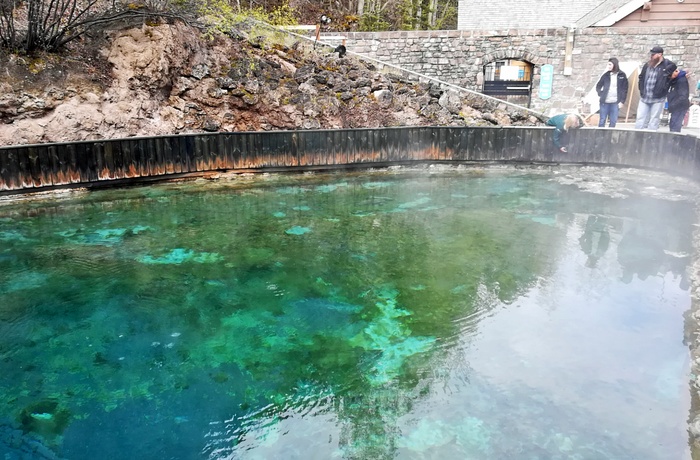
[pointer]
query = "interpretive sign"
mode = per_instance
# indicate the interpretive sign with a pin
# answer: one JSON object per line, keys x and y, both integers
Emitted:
{"x": 694, "y": 116}
{"x": 546, "y": 78}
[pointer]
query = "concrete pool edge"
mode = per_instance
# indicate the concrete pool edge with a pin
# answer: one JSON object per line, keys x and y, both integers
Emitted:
{"x": 692, "y": 340}
{"x": 25, "y": 168}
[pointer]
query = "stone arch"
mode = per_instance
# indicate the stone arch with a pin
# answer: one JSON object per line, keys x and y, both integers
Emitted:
{"x": 513, "y": 54}
{"x": 517, "y": 89}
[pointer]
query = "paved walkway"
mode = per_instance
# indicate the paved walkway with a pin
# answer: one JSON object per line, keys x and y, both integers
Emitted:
{"x": 664, "y": 128}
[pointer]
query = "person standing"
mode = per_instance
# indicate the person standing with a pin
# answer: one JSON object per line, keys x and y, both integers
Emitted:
{"x": 654, "y": 81}
{"x": 562, "y": 124}
{"x": 678, "y": 100}
{"x": 612, "y": 90}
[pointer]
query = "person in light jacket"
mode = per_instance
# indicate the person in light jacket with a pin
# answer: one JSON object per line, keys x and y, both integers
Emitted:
{"x": 612, "y": 90}
{"x": 678, "y": 100}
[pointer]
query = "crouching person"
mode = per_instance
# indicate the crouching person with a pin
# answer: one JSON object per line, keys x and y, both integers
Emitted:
{"x": 562, "y": 125}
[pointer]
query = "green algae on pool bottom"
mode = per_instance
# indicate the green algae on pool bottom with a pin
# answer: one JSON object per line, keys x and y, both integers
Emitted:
{"x": 374, "y": 315}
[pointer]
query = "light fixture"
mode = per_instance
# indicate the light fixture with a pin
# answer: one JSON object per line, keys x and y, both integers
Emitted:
{"x": 325, "y": 20}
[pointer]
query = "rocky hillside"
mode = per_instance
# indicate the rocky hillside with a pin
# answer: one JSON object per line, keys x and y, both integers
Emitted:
{"x": 168, "y": 79}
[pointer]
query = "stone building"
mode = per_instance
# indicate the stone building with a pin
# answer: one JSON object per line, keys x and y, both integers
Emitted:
{"x": 521, "y": 14}
{"x": 515, "y": 50}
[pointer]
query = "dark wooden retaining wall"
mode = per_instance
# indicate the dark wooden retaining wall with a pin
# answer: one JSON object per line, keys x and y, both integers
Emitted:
{"x": 32, "y": 167}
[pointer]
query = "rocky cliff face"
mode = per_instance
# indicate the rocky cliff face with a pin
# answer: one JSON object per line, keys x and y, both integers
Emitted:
{"x": 168, "y": 79}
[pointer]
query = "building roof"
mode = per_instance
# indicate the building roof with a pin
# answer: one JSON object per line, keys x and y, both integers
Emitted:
{"x": 523, "y": 14}
{"x": 608, "y": 13}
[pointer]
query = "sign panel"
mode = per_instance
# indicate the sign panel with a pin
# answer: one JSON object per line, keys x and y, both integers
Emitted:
{"x": 509, "y": 72}
{"x": 546, "y": 79}
{"x": 694, "y": 116}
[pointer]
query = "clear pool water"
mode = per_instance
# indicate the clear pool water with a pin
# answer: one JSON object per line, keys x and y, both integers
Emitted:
{"x": 434, "y": 313}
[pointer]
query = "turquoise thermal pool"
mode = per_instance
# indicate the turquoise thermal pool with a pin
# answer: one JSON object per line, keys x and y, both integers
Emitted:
{"x": 410, "y": 313}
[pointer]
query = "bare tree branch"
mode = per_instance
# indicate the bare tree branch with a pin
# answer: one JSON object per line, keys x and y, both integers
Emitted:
{"x": 51, "y": 24}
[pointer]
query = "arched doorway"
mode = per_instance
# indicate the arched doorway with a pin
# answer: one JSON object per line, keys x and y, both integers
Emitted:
{"x": 510, "y": 80}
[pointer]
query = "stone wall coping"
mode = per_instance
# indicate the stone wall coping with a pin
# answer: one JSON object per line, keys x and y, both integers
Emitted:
{"x": 515, "y": 32}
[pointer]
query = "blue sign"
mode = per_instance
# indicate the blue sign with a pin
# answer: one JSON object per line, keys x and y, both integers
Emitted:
{"x": 546, "y": 78}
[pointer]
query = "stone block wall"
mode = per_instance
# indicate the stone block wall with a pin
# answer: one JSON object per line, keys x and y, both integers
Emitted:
{"x": 458, "y": 56}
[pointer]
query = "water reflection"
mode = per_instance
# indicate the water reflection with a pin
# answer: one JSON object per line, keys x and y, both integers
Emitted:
{"x": 595, "y": 239}
{"x": 449, "y": 315}
{"x": 642, "y": 253}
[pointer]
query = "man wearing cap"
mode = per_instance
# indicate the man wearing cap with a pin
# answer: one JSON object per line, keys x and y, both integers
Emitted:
{"x": 654, "y": 80}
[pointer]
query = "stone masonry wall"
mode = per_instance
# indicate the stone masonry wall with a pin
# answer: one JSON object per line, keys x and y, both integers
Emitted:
{"x": 458, "y": 57}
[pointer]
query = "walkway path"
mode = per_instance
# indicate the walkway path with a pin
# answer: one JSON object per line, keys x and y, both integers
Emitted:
{"x": 664, "y": 128}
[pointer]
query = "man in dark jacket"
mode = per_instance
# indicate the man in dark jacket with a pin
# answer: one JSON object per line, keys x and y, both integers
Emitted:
{"x": 654, "y": 81}
{"x": 612, "y": 90}
{"x": 678, "y": 100}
